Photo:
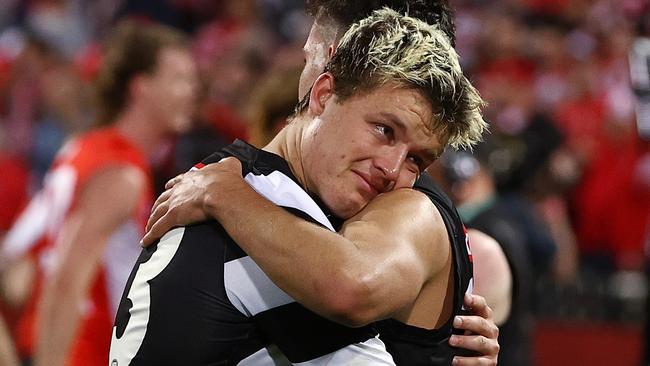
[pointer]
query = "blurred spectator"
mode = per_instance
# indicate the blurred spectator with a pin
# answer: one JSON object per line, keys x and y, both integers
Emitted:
{"x": 272, "y": 102}
{"x": 556, "y": 74}
{"x": 471, "y": 183}
{"x": 13, "y": 190}
{"x": 230, "y": 57}
{"x": 81, "y": 228}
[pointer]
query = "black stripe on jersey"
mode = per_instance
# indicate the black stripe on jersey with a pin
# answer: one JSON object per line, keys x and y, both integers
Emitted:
{"x": 212, "y": 329}
{"x": 301, "y": 334}
{"x": 211, "y": 304}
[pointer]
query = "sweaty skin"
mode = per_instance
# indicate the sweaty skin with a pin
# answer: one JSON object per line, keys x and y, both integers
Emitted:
{"x": 380, "y": 267}
{"x": 192, "y": 204}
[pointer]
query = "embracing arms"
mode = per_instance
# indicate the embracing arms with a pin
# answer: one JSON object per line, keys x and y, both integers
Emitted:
{"x": 375, "y": 268}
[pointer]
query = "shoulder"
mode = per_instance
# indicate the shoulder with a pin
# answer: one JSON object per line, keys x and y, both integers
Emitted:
{"x": 405, "y": 205}
{"x": 492, "y": 273}
{"x": 412, "y": 214}
{"x": 487, "y": 250}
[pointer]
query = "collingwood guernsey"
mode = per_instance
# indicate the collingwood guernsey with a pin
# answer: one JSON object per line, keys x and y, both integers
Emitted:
{"x": 195, "y": 297}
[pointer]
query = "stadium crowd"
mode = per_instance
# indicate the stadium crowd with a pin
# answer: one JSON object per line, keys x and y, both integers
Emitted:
{"x": 566, "y": 167}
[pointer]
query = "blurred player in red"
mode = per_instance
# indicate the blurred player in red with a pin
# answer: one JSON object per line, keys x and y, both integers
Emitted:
{"x": 82, "y": 228}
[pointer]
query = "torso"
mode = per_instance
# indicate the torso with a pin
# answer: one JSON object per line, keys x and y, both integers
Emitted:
{"x": 218, "y": 304}
{"x": 37, "y": 230}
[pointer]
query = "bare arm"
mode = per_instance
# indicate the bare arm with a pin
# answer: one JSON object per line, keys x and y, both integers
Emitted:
{"x": 8, "y": 355}
{"x": 492, "y": 275}
{"x": 105, "y": 203}
{"x": 375, "y": 268}
{"x": 187, "y": 201}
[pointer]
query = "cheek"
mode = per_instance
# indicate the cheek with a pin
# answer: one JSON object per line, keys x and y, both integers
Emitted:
{"x": 406, "y": 179}
{"x": 307, "y": 78}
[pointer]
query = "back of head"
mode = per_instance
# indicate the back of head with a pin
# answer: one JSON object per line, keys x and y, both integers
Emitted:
{"x": 389, "y": 48}
{"x": 345, "y": 12}
{"x": 272, "y": 102}
{"x": 133, "y": 48}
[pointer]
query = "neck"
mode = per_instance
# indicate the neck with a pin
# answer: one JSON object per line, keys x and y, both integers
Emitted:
{"x": 288, "y": 145}
{"x": 141, "y": 129}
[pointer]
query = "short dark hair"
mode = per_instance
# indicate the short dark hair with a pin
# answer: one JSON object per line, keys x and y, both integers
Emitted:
{"x": 132, "y": 48}
{"x": 347, "y": 12}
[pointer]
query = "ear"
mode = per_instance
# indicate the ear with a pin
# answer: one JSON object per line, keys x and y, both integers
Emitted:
{"x": 330, "y": 51}
{"x": 321, "y": 92}
{"x": 137, "y": 85}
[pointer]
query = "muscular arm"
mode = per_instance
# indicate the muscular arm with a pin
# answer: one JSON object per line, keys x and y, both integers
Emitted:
{"x": 376, "y": 267}
{"x": 105, "y": 203}
{"x": 492, "y": 276}
{"x": 188, "y": 200}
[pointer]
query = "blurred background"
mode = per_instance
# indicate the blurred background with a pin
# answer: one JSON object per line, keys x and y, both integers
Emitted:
{"x": 566, "y": 168}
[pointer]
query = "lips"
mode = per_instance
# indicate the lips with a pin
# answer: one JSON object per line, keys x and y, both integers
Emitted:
{"x": 373, "y": 187}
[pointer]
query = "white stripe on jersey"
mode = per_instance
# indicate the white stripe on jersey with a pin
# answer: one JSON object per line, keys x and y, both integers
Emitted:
{"x": 250, "y": 289}
{"x": 247, "y": 286}
{"x": 283, "y": 191}
{"x": 125, "y": 348}
{"x": 369, "y": 353}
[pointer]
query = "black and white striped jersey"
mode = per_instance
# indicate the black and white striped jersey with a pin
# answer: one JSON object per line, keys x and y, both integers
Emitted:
{"x": 195, "y": 298}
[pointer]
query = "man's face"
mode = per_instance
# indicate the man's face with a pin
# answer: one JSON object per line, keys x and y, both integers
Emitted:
{"x": 316, "y": 51}
{"x": 367, "y": 145}
{"x": 172, "y": 89}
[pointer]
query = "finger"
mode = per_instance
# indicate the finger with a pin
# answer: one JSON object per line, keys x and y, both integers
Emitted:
{"x": 473, "y": 361}
{"x": 158, "y": 211}
{"x": 477, "y": 325}
{"x": 479, "y": 306}
{"x": 172, "y": 182}
{"x": 161, "y": 199}
{"x": 158, "y": 229}
{"x": 231, "y": 163}
{"x": 477, "y": 343}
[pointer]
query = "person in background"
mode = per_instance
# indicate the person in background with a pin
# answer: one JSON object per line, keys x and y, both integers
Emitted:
{"x": 469, "y": 179}
{"x": 82, "y": 227}
{"x": 272, "y": 102}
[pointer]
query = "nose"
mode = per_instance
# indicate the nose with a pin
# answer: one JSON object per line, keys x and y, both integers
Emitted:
{"x": 389, "y": 161}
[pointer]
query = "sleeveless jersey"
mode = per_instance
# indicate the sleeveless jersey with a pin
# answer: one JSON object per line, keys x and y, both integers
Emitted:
{"x": 196, "y": 298}
{"x": 37, "y": 228}
{"x": 414, "y": 346}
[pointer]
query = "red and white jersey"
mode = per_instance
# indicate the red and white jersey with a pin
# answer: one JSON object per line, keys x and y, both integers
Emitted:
{"x": 37, "y": 228}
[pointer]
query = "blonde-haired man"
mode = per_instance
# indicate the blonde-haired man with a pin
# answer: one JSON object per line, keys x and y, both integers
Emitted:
{"x": 391, "y": 99}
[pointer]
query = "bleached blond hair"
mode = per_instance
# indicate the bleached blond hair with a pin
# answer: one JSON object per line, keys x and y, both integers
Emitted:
{"x": 390, "y": 48}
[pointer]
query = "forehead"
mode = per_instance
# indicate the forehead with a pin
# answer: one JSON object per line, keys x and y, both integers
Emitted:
{"x": 174, "y": 58}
